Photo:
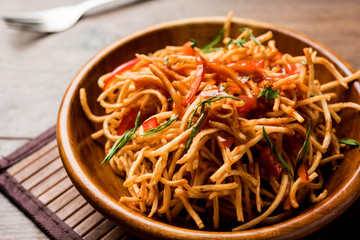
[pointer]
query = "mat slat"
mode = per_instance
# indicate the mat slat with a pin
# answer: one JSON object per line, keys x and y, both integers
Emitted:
{"x": 35, "y": 166}
{"x": 42, "y": 174}
{"x": 50, "y": 181}
{"x": 71, "y": 207}
{"x": 130, "y": 236}
{"x": 100, "y": 230}
{"x": 63, "y": 199}
{"x": 57, "y": 189}
{"x": 89, "y": 223}
{"x": 116, "y": 233}
{"x": 33, "y": 157}
{"x": 80, "y": 215}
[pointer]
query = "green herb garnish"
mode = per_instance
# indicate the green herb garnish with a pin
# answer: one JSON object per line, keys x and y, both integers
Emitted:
{"x": 160, "y": 127}
{"x": 205, "y": 105}
{"x": 208, "y": 102}
{"x": 303, "y": 151}
{"x": 240, "y": 43}
{"x": 350, "y": 142}
{"x": 269, "y": 93}
{"x": 123, "y": 140}
{"x": 209, "y": 50}
{"x": 224, "y": 87}
{"x": 251, "y": 35}
{"x": 197, "y": 126}
{"x": 193, "y": 43}
{"x": 273, "y": 149}
{"x": 217, "y": 39}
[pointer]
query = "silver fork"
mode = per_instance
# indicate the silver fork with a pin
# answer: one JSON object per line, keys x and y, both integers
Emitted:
{"x": 51, "y": 20}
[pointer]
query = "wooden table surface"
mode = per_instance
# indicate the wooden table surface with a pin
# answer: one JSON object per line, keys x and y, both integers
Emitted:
{"x": 35, "y": 69}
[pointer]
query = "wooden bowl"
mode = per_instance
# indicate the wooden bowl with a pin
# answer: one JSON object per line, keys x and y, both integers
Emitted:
{"x": 82, "y": 156}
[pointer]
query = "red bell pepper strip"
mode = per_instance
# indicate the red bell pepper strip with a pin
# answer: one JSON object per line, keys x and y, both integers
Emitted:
{"x": 224, "y": 140}
{"x": 295, "y": 147}
{"x": 250, "y": 104}
{"x": 122, "y": 68}
{"x": 292, "y": 68}
{"x": 247, "y": 65}
{"x": 233, "y": 88}
{"x": 187, "y": 49}
{"x": 127, "y": 122}
{"x": 150, "y": 124}
{"x": 250, "y": 68}
{"x": 223, "y": 89}
{"x": 270, "y": 162}
{"x": 199, "y": 77}
{"x": 212, "y": 92}
{"x": 302, "y": 171}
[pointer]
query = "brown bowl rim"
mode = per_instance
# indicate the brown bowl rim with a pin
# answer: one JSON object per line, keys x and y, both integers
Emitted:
{"x": 298, "y": 226}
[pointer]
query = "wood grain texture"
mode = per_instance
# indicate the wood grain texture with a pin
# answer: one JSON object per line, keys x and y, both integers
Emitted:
{"x": 36, "y": 69}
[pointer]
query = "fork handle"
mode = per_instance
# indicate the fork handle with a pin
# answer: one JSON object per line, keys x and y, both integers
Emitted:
{"x": 90, "y": 4}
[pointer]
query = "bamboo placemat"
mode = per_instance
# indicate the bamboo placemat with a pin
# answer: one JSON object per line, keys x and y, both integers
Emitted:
{"x": 34, "y": 179}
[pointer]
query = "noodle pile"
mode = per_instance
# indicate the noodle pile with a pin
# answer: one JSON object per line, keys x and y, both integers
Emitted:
{"x": 237, "y": 132}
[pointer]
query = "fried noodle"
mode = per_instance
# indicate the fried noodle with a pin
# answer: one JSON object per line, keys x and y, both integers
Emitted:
{"x": 207, "y": 154}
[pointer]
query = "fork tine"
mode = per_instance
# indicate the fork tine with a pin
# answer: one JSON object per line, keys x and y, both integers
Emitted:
{"x": 27, "y": 26}
{"x": 22, "y": 19}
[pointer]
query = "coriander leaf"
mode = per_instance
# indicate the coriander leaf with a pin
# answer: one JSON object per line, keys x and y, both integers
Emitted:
{"x": 350, "y": 142}
{"x": 303, "y": 151}
{"x": 123, "y": 140}
{"x": 269, "y": 93}
{"x": 251, "y": 35}
{"x": 273, "y": 149}
{"x": 161, "y": 126}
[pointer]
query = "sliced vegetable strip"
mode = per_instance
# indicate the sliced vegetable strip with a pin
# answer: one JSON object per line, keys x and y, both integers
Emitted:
{"x": 160, "y": 127}
{"x": 123, "y": 140}
{"x": 150, "y": 124}
{"x": 277, "y": 154}
{"x": 199, "y": 77}
{"x": 303, "y": 151}
{"x": 127, "y": 122}
{"x": 122, "y": 68}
